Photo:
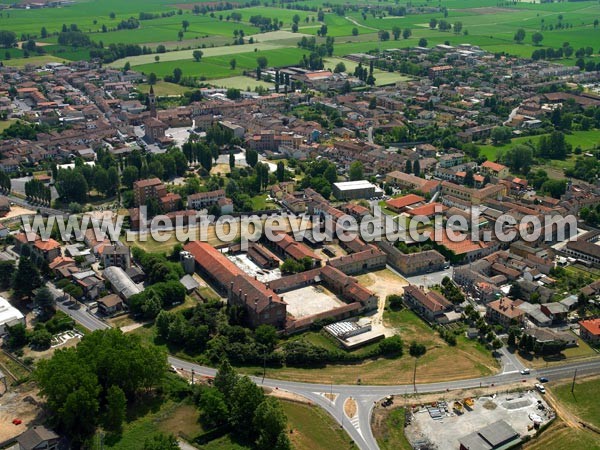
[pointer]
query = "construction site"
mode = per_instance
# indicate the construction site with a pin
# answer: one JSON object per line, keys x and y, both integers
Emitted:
{"x": 496, "y": 421}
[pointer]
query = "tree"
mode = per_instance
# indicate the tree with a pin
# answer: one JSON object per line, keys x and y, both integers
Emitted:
{"x": 408, "y": 166}
{"x": 271, "y": 423}
{"x": 225, "y": 381}
{"x": 396, "y": 31}
{"x": 44, "y": 33}
{"x": 417, "y": 350}
{"x": 130, "y": 175}
{"x": 339, "y": 67}
{"x": 501, "y": 135}
{"x": 232, "y": 63}
{"x": 7, "y": 270}
{"x": 356, "y": 171}
{"x": 384, "y": 35}
{"x": 185, "y": 24}
{"x": 433, "y": 23}
{"x": 26, "y": 279}
{"x": 8, "y": 39}
{"x": 152, "y": 78}
{"x": 245, "y": 399}
{"x": 266, "y": 335}
{"x": 458, "y": 27}
{"x": 422, "y": 42}
{"x": 43, "y": 298}
{"x": 17, "y": 336}
{"x": 177, "y": 73}
{"x": 280, "y": 173}
{"x": 41, "y": 339}
{"x": 180, "y": 35}
{"x": 214, "y": 408}
{"x": 519, "y": 36}
{"x": 536, "y": 38}
{"x": 354, "y": 31}
{"x": 262, "y": 62}
{"x": 233, "y": 94}
{"x": 197, "y": 54}
{"x": 116, "y": 407}
{"x": 392, "y": 346}
{"x": 406, "y": 33}
{"x": 469, "y": 178}
{"x": 157, "y": 58}
{"x": 251, "y": 157}
{"x": 417, "y": 168}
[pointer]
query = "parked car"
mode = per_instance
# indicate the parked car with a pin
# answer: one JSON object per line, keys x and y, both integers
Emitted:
{"x": 525, "y": 372}
{"x": 540, "y": 388}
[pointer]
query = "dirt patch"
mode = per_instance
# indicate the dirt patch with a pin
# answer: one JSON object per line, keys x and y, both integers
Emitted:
{"x": 21, "y": 402}
{"x": 285, "y": 395}
{"x": 331, "y": 397}
{"x": 16, "y": 211}
{"x": 350, "y": 407}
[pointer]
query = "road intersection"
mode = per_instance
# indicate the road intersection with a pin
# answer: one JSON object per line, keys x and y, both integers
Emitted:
{"x": 359, "y": 426}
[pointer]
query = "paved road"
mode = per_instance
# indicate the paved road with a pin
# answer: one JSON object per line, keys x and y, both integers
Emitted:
{"x": 359, "y": 427}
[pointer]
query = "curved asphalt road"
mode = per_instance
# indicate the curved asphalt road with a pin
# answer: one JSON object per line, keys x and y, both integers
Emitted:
{"x": 359, "y": 427}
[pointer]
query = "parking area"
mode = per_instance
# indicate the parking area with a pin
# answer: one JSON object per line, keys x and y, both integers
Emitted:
{"x": 310, "y": 300}
{"x": 444, "y": 424}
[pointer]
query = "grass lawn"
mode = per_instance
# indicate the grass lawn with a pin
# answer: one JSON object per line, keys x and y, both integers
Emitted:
{"x": 442, "y": 362}
{"x": 4, "y": 124}
{"x": 388, "y": 428}
{"x": 240, "y": 82}
{"x": 188, "y": 54}
{"x": 259, "y": 202}
{"x": 314, "y": 429}
{"x": 151, "y": 416}
{"x": 559, "y": 436}
{"x": 583, "y": 401}
{"x": 164, "y": 89}
{"x": 584, "y": 139}
{"x": 33, "y": 60}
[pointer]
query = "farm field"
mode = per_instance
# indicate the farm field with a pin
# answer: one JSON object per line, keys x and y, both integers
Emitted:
{"x": 381, "y": 77}
{"x": 219, "y": 66}
{"x": 583, "y": 139}
{"x": 163, "y": 88}
{"x": 241, "y": 82}
{"x": 582, "y": 401}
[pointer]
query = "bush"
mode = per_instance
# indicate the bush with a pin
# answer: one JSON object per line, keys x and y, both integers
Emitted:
{"x": 392, "y": 346}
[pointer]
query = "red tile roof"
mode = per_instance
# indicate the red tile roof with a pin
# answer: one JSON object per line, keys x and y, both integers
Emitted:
{"x": 591, "y": 325}
{"x": 402, "y": 202}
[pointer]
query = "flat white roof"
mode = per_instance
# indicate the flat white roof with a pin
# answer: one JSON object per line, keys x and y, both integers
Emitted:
{"x": 8, "y": 313}
{"x": 359, "y": 184}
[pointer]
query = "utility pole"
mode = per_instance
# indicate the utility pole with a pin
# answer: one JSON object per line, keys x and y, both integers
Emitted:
{"x": 415, "y": 376}
{"x": 193, "y": 372}
{"x": 264, "y": 366}
{"x": 573, "y": 384}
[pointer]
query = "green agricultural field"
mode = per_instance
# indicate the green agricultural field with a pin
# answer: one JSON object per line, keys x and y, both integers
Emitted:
{"x": 241, "y": 82}
{"x": 188, "y": 54}
{"x": 34, "y": 60}
{"x": 582, "y": 401}
{"x": 483, "y": 23}
{"x": 584, "y": 139}
{"x": 219, "y": 66}
{"x": 382, "y": 78}
{"x": 164, "y": 89}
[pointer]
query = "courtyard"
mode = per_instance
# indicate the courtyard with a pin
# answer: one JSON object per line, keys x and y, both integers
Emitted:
{"x": 310, "y": 300}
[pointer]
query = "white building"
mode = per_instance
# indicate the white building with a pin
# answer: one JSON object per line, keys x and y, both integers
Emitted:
{"x": 9, "y": 315}
{"x": 349, "y": 190}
